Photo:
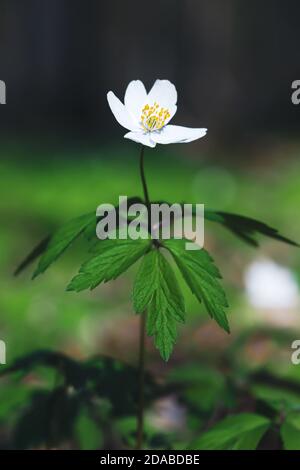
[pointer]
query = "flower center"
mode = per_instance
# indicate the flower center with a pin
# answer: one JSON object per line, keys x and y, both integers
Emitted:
{"x": 154, "y": 117}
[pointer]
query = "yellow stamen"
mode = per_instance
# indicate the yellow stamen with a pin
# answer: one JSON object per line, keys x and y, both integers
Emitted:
{"x": 154, "y": 117}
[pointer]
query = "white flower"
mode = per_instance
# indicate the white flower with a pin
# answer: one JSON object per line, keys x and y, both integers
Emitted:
{"x": 271, "y": 286}
{"x": 147, "y": 116}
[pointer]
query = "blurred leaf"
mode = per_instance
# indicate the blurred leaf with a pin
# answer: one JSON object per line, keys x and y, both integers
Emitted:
{"x": 33, "y": 255}
{"x": 104, "y": 377}
{"x": 238, "y": 432}
{"x": 290, "y": 432}
{"x": 113, "y": 257}
{"x": 73, "y": 372}
{"x": 246, "y": 228}
{"x": 156, "y": 289}
{"x": 48, "y": 420}
{"x": 117, "y": 382}
{"x": 32, "y": 428}
{"x": 243, "y": 227}
{"x": 201, "y": 274}
{"x": 194, "y": 373}
{"x": 278, "y": 398}
{"x": 212, "y": 216}
{"x": 12, "y": 398}
{"x": 61, "y": 239}
{"x": 200, "y": 387}
{"x": 90, "y": 231}
{"x": 278, "y": 335}
{"x": 127, "y": 427}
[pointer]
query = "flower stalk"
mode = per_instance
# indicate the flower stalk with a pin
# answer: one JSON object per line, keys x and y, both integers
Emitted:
{"x": 141, "y": 391}
{"x": 143, "y": 178}
{"x": 141, "y": 363}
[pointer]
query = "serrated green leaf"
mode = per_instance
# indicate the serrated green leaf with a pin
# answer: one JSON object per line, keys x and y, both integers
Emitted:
{"x": 156, "y": 289}
{"x": 144, "y": 284}
{"x": 290, "y": 432}
{"x": 112, "y": 258}
{"x": 61, "y": 239}
{"x": 201, "y": 275}
{"x": 239, "y": 432}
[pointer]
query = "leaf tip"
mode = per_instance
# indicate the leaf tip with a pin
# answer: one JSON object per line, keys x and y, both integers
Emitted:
{"x": 70, "y": 287}
{"x": 35, "y": 274}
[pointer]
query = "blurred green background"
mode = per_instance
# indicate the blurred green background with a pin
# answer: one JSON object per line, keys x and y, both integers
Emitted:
{"x": 62, "y": 154}
{"x": 40, "y": 314}
{"x": 38, "y": 198}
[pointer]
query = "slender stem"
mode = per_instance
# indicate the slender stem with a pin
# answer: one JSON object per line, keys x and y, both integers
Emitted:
{"x": 142, "y": 172}
{"x": 141, "y": 365}
{"x": 140, "y": 415}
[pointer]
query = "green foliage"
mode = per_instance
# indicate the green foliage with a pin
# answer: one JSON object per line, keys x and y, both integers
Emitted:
{"x": 156, "y": 289}
{"x": 48, "y": 419}
{"x": 200, "y": 388}
{"x": 95, "y": 395}
{"x": 126, "y": 426}
{"x": 111, "y": 259}
{"x": 53, "y": 246}
{"x": 116, "y": 382}
{"x": 290, "y": 432}
{"x": 37, "y": 251}
{"x": 90, "y": 231}
{"x": 92, "y": 404}
{"x": 201, "y": 275}
{"x": 246, "y": 228}
{"x": 60, "y": 241}
{"x": 12, "y": 399}
{"x": 103, "y": 375}
{"x": 88, "y": 433}
{"x": 238, "y": 432}
{"x": 278, "y": 398}
{"x": 164, "y": 302}
{"x": 74, "y": 373}
{"x": 86, "y": 395}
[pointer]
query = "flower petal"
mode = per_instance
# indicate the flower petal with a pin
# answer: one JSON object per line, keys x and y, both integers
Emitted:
{"x": 135, "y": 98}
{"x": 140, "y": 137}
{"x": 177, "y": 134}
{"x": 120, "y": 112}
{"x": 164, "y": 93}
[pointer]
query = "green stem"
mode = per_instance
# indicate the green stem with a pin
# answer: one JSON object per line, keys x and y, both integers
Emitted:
{"x": 141, "y": 365}
{"x": 143, "y": 178}
{"x": 140, "y": 414}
